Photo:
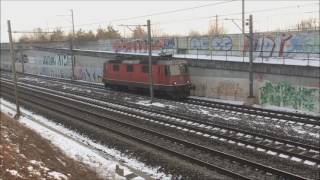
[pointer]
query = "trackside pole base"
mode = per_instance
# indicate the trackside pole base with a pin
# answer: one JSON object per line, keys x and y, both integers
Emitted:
{"x": 250, "y": 101}
{"x": 17, "y": 116}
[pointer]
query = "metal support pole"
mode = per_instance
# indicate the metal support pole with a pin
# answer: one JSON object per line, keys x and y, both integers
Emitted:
{"x": 71, "y": 47}
{"x": 150, "y": 63}
{"x": 22, "y": 61}
{"x": 13, "y": 57}
{"x": 251, "y": 58}
{"x": 243, "y": 30}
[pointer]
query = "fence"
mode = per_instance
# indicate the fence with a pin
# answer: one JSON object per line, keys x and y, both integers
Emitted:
{"x": 275, "y": 57}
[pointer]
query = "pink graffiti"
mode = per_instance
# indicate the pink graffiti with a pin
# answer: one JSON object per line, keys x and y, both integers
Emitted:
{"x": 138, "y": 45}
{"x": 284, "y": 38}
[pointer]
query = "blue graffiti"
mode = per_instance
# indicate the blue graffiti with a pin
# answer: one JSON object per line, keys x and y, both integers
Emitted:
{"x": 199, "y": 43}
{"x": 169, "y": 44}
{"x": 222, "y": 43}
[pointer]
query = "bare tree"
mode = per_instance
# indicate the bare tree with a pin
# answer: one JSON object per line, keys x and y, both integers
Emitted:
{"x": 194, "y": 33}
{"x": 307, "y": 24}
{"x": 82, "y": 35}
{"x": 24, "y": 38}
{"x": 215, "y": 28}
{"x": 139, "y": 33}
{"x": 57, "y": 35}
{"x": 156, "y": 31}
{"x": 109, "y": 33}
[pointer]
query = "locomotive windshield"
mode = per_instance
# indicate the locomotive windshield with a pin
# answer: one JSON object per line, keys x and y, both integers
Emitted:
{"x": 179, "y": 69}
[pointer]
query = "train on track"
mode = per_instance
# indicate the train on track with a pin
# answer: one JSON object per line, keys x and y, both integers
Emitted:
{"x": 170, "y": 77}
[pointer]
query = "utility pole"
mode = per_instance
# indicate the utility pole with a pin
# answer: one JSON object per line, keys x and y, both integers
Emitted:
{"x": 13, "y": 57}
{"x": 71, "y": 46}
{"x": 243, "y": 29}
{"x": 22, "y": 60}
{"x": 150, "y": 63}
{"x": 250, "y": 58}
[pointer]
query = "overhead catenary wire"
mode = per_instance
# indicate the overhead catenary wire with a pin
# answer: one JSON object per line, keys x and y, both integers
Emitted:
{"x": 232, "y": 14}
{"x": 147, "y": 15}
{"x": 186, "y": 9}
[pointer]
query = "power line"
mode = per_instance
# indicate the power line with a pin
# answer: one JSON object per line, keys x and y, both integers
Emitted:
{"x": 33, "y": 32}
{"x": 173, "y": 11}
{"x": 190, "y": 19}
{"x": 231, "y": 14}
{"x": 152, "y": 14}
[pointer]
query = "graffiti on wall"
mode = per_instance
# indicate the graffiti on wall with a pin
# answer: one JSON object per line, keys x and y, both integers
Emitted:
{"x": 300, "y": 42}
{"x": 285, "y": 95}
{"x": 88, "y": 73}
{"x": 228, "y": 89}
{"x": 222, "y": 43}
{"x": 265, "y": 46}
{"x": 285, "y": 44}
{"x": 199, "y": 43}
{"x": 289, "y": 44}
{"x": 57, "y": 60}
{"x": 275, "y": 44}
{"x": 54, "y": 65}
{"x": 141, "y": 45}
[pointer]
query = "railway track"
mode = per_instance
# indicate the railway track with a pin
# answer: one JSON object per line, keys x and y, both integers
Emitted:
{"x": 82, "y": 109}
{"x": 263, "y": 143}
{"x": 289, "y": 116}
{"x": 196, "y": 129}
{"x": 281, "y": 115}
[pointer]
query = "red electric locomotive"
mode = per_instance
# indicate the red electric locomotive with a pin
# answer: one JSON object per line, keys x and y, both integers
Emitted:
{"x": 170, "y": 77}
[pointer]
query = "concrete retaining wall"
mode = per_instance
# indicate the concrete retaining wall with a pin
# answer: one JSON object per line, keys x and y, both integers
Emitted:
{"x": 279, "y": 85}
{"x": 297, "y": 45}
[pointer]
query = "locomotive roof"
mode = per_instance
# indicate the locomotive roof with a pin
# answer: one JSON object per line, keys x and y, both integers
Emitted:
{"x": 146, "y": 61}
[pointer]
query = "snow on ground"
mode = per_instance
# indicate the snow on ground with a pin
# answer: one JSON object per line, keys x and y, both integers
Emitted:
{"x": 158, "y": 104}
{"x": 57, "y": 175}
{"x": 267, "y": 106}
{"x": 286, "y": 109}
{"x": 218, "y": 100}
{"x": 13, "y": 172}
{"x": 252, "y": 121}
{"x": 313, "y": 61}
{"x": 77, "y": 149}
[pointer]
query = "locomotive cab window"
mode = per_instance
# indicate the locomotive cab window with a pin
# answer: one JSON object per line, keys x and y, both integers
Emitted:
{"x": 115, "y": 67}
{"x": 129, "y": 68}
{"x": 145, "y": 69}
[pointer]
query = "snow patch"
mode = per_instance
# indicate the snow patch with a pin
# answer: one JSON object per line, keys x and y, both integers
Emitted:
{"x": 147, "y": 103}
{"x": 309, "y": 163}
{"x": 57, "y": 175}
{"x": 283, "y": 156}
{"x": 76, "y": 146}
{"x": 296, "y": 159}
{"x": 13, "y": 172}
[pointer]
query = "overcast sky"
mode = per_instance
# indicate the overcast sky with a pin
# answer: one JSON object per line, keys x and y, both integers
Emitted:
{"x": 268, "y": 15}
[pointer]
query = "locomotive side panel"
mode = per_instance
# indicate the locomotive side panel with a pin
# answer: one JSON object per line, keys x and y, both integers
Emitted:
{"x": 170, "y": 79}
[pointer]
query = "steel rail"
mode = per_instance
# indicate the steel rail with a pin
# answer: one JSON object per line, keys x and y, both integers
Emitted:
{"x": 247, "y": 141}
{"x": 257, "y": 165}
{"x": 159, "y": 147}
{"x": 183, "y": 117}
{"x": 289, "y": 116}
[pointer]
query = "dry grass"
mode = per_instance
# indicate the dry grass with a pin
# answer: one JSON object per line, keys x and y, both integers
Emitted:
{"x": 33, "y": 157}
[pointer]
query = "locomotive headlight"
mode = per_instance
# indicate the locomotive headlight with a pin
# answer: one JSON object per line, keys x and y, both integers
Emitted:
{"x": 188, "y": 82}
{"x": 174, "y": 83}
